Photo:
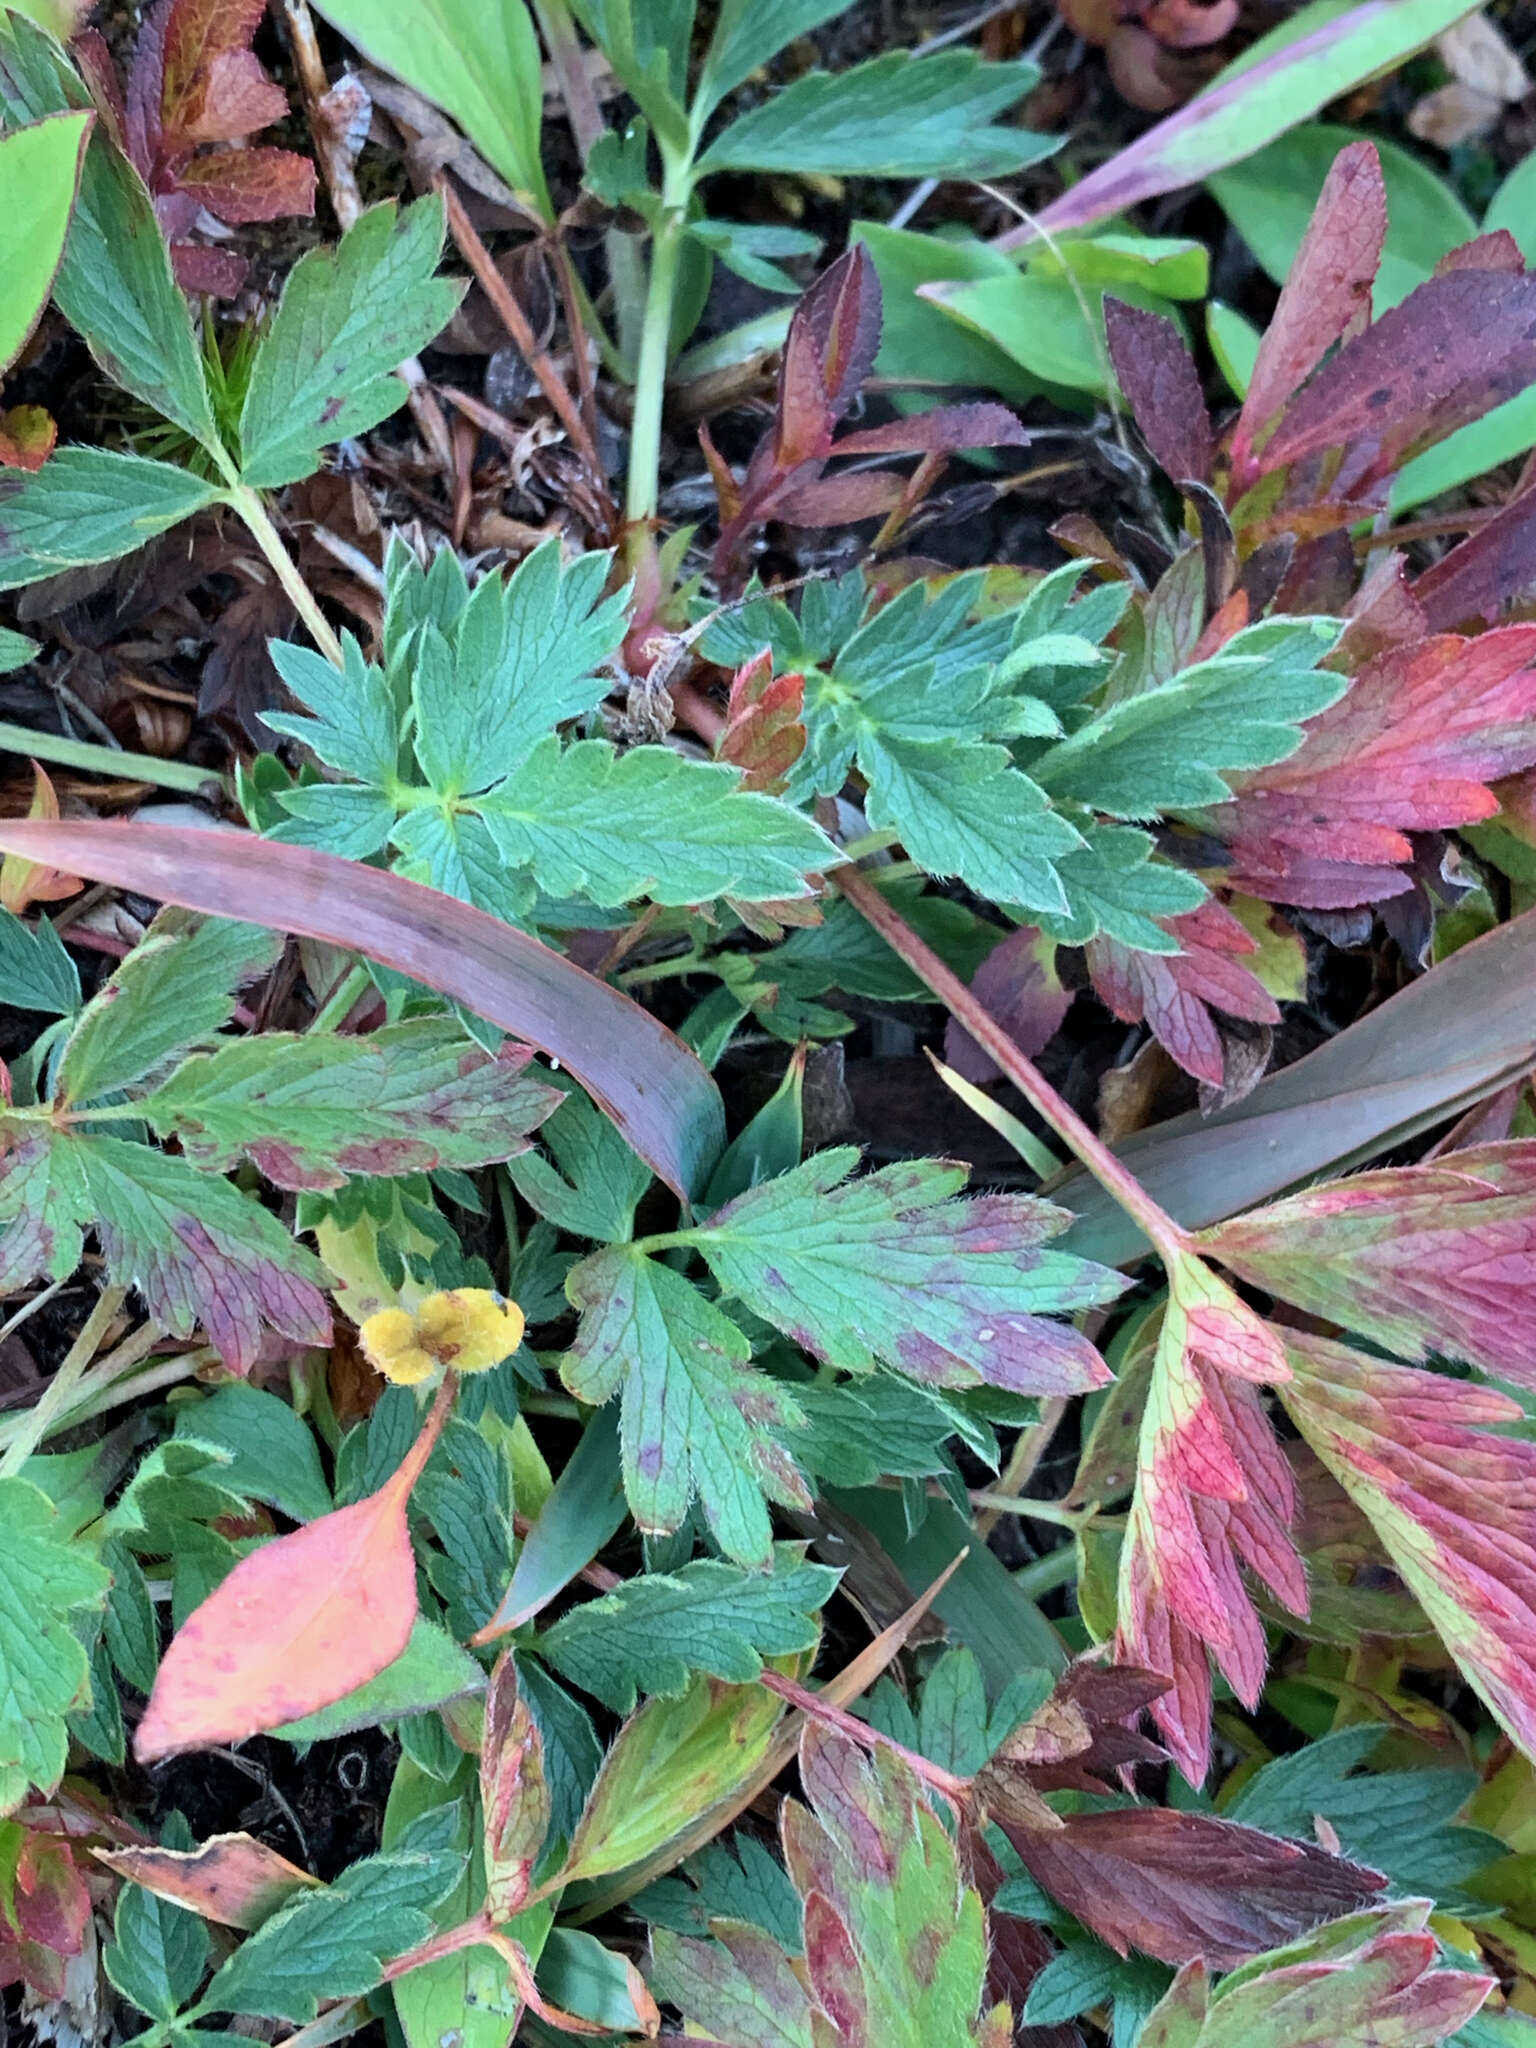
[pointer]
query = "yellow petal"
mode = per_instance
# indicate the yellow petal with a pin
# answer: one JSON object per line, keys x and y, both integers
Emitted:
{"x": 470, "y": 1328}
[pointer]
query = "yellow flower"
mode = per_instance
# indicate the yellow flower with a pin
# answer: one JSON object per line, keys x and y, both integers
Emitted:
{"x": 467, "y": 1328}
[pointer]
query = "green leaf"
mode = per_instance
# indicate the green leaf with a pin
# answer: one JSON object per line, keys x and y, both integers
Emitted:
{"x": 273, "y": 1453}
{"x": 746, "y": 35}
{"x": 647, "y": 44}
{"x": 1114, "y": 886}
{"x": 177, "y": 986}
{"x": 898, "y": 116}
{"x": 650, "y": 1634}
{"x": 590, "y": 821}
{"x": 742, "y": 1881}
{"x": 88, "y": 505}
{"x": 1241, "y": 709}
{"x": 1513, "y": 207}
{"x": 348, "y": 317}
{"x": 199, "y": 1251}
{"x": 1052, "y": 326}
{"x": 696, "y": 1417}
{"x": 747, "y": 249}
{"x": 430, "y": 1671}
{"x": 479, "y": 65}
{"x": 310, "y": 1110}
{"x": 355, "y": 726}
{"x": 129, "y": 1627}
{"x": 114, "y": 283}
{"x": 39, "y": 170}
{"x": 591, "y": 1181}
{"x": 963, "y": 809}
{"x": 1269, "y": 200}
{"x": 16, "y": 650}
{"x": 158, "y": 1952}
{"x": 579, "y": 1975}
{"x": 35, "y": 970}
{"x": 526, "y": 655}
{"x": 332, "y": 1943}
{"x": 920, "y": 341}
{"x": 44, "y": 1580}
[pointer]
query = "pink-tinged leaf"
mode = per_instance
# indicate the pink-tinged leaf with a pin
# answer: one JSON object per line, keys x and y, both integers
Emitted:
{"x": 214, "y": 271}
{"x": 1327, "y": 293}
{"x": 514, "y": 1792}
{"x": 1173, "y": 994}
{"x": 1453, "y": 1504}
{"x": 297, "y": 1625}
{"x": 739, "y": 1983}
{"x": 241, "y": 185}
{"x": 763, "y": 735}
{"x": 829, "y": 351}
{"x": 192, "y": 36}
{"x": 1369, "y": 1981}
{"x": 235, "y": 98}
{"x": 810, "y": 500}
{"x": 942, "y": 431}
{"x": 233, "y": 1879}
{"x": 1483, "y": 575}
{"x": 1214, "y": 1493}
{"x": 1421, "y": 1259}
{"x": 637, "y": 1071}
{"x": 44, "y": 1909}
{"x": 1162, "y": 387}
{"x": 1496, "y": 251}
{"x": 1017, "y": 984}
{"x": 1186, "y": 1886}
{"x": 1454, "y": 349}
{"x": 22, "y": 882}
{"x": 1411, "y": 747}
{"x": 27, "y": 437}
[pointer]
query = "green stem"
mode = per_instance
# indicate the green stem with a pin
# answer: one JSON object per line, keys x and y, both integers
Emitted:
{"x": 655, "y": 342}
{"x": 55, "y": 1399}
{"x": 332, "y": 1012}
{"x": 1056, "y": 1568}
{"x": 662, "y": 970}
{"x": 248, "y": 503}
{"x": 97, "y": 760}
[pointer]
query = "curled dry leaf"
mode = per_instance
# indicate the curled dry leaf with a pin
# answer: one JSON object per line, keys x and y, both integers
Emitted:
{"x": 233, "y": 1879}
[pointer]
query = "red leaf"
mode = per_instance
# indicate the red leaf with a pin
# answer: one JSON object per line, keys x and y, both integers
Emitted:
{"x": 1422, "y": 1259}
{"x": 235, "y": 98}
{"x": 1173, "y": 993}
{"x": 1214, "y": 1492}
{"x": 44, "y": 1910}
{"x": 1496, "y": 251}
{"x": 763, "y": 735}
{"x": 251, "y": 184}
{"x": 1455, "y": 348}
{"x": 1018, "y": 984}
{"x": 1328, "y": 291}
{"x": 192, "y": 36}
{"x": 829, "y": 352}
{"x": 297, "y": 1625}
{"x": 835, "y": 500}
{"x": 1454, "y": 1506}
{"x": 942, "y": 431}
{"x": 637, "y": 1072}
{"x": 1483, "y": 575}
{"x": 214, "y": 271}
{"x": 1162, "y": 387}
{"x": 233, "y": 1879}
{"x": 1411, "y": 747}
{"x": 1186, "y": 1886}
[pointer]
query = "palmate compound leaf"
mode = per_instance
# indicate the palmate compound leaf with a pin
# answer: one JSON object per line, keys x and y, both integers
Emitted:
{"x": 1453, "y": 1504}
{"x": 201, "y": 1253}
{"x": 697, "y": 1418}
{"x": 653, "y": 1631}
{"x": 895, "y": 1939}
{"x": 1422, "y": 1259}
{"x": 311, "y": 1110}
{"x": 1368, "y": 1981}
{"x": 324, "y": 369}
{"x": 891, "y": 1269}
{"x": 1214, "y": 1493}
{"x": 1412, "y": 747}
{"x": 298, "y": 1624}
{"x": 45, "y": 1579}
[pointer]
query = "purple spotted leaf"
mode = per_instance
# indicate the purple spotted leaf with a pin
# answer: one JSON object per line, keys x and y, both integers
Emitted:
{"x": 311, "y": 1109}
{"x": 892, "y": 1269}
{"x": 895, "y": 1939}
{"x": 201, "y": 1253}
{"x": 1421, "y": 1259}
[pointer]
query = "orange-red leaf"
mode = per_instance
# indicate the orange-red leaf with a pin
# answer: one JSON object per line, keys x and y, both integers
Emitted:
{"x": 763, "y": 734}
{"x": 297, "y": 1625}
{"x": 233, "y": 1879}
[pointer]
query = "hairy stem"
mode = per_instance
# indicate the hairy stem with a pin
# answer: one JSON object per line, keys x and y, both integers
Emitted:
{"x": 1169, "y": 1238}
{"x": 251, "y": 508}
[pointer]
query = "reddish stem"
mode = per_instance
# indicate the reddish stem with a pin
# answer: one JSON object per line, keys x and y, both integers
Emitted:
{"x": 956, "y": 1790}
{"x": 1168, "y": 1237}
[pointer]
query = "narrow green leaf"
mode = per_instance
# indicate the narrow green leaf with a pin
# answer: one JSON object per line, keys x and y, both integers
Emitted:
{"x": 89, "y": 505}
{"x": 898, "y": 116}
{"x": 37, "y": 972}
{"x": 348, "y": 317}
